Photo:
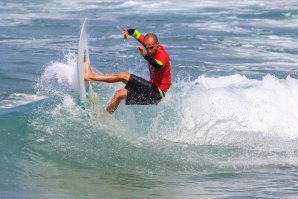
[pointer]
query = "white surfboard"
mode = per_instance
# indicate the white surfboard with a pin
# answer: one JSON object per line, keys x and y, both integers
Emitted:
{"x": 83, "y": 57}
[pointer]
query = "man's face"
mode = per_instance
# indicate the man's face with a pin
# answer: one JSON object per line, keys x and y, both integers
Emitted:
{"x": 151, "y": 46}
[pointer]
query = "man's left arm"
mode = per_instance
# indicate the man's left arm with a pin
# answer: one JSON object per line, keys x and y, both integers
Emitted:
{"x": 156, "y": 63}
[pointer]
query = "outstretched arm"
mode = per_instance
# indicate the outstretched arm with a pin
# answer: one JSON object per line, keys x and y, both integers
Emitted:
{"x": 134, "y": 33}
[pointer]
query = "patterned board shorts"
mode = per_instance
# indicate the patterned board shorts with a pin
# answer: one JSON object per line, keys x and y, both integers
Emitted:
{"x": 142, "y": 92}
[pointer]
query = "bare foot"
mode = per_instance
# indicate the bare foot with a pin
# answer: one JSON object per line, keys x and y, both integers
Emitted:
{"x": 113, "y": 105}
{"x": 88, "y": 71}
{"x": 111, "y": 109}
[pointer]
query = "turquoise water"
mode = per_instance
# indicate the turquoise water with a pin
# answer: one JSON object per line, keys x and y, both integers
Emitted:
{"x": 227, "y": 128}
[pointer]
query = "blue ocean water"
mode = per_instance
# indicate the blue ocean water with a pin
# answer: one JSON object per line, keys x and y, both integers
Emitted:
{"x": 227, "y": 128}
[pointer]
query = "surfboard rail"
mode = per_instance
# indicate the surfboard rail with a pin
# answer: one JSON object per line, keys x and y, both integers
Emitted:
{"x": 84, "y": 86}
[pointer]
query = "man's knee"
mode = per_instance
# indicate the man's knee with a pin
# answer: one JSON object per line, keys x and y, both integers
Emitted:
{"x": 124, "y": 75}
{"x": 121, "y": 93}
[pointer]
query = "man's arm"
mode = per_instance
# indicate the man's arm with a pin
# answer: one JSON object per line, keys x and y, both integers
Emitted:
{"x": 134, "y": 33}
{"x": 156, "y": 63}
{"x": 153, "y": 62}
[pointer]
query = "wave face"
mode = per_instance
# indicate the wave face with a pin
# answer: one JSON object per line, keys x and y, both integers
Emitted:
{"x": 227, "y": 127}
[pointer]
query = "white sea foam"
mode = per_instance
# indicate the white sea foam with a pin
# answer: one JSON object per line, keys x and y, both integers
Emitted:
{"x": 18, "y": 99}
{"x": 231, "y": 110}
{"x": 58, "y": 73}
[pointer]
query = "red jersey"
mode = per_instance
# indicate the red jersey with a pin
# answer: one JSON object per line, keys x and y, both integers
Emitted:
{"x": 161, "y": 77}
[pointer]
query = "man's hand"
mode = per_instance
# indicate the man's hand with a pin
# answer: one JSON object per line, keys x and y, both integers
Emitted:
{"x": 125, "y": 33}
{"x": 142, "y": 50}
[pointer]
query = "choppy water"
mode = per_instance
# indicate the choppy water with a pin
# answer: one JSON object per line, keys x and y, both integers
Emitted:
{"x": 226, "y": 129}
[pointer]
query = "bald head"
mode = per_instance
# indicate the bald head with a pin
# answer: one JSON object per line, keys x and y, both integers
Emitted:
{"x": 151, "y": 37}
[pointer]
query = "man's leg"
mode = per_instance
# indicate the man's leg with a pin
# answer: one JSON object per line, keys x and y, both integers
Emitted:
{"x": 109, "y": 78}
{"x": 115, "y": 101}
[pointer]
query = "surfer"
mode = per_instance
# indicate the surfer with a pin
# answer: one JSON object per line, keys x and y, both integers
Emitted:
{"x": 138, "y": 90}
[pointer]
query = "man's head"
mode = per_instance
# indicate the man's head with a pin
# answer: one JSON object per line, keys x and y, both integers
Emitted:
{"x": 151, "y": 43}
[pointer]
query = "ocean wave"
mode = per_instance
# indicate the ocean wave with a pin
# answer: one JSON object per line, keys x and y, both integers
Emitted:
{"x": 207, "y": 110}
{"x": 231, "y": 110}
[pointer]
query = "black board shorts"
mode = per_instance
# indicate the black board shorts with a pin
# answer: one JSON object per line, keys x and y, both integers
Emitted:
{"x": 142, "y": 92}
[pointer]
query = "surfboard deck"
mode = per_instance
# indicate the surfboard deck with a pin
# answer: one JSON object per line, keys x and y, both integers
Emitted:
{"x": 83, "y": 57}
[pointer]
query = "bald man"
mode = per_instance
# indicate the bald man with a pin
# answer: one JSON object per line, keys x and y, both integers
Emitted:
{"x": 138, "y": 90}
